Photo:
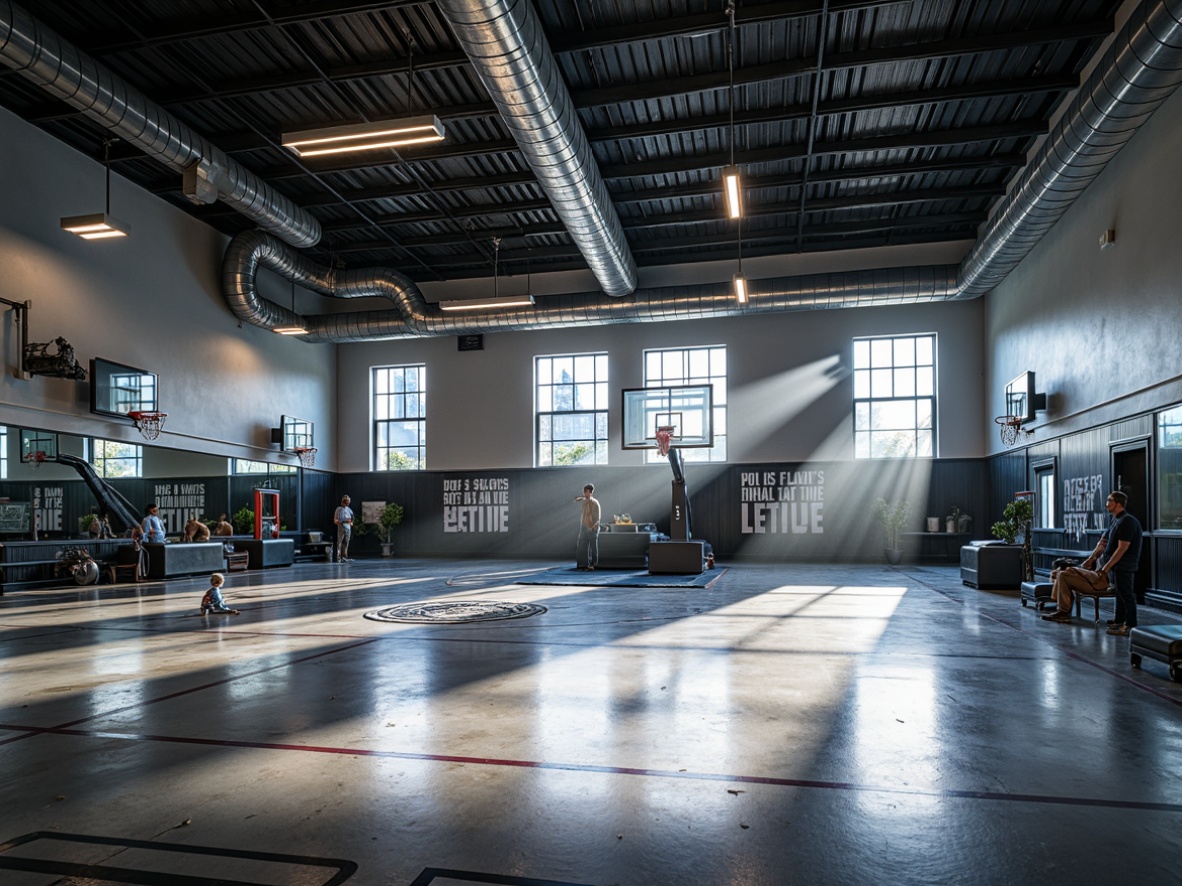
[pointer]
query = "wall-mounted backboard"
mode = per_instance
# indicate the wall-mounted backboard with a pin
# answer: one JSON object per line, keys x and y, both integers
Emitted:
{"x": 687, "y": 408}
{"x": 294, "y": 433}
{"x": 116, "y": 389}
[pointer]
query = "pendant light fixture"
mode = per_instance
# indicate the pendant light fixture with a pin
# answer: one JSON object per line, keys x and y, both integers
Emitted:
{"x": 404, "y": 132}
{"x": 497, "y": 300}
{"x": 292, "y": 328}
{"x": 97, "y": 225}
{"x": 732, "y": 184}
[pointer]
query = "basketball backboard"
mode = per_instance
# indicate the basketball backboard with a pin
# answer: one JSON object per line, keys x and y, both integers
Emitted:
{"x": 117, "y": 390}
{"x": 294, "y": 433}
{"x": 685, "y": 408}
{"x": 33, "y": 442}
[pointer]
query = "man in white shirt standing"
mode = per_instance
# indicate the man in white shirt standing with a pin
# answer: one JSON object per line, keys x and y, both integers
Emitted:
{"x": 344, "y": 520}
{"x": 587, "y": 547}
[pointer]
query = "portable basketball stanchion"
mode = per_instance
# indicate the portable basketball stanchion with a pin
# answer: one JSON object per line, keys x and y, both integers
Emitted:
{"x": 148, "y": 423}
{"x": 306, "y": 455}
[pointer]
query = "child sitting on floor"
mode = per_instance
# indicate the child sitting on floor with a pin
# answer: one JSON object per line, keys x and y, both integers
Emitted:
{"x": 213, "y": 601}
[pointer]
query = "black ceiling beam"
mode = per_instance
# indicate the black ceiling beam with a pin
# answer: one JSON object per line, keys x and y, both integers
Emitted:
{"x": 416, "y": 218}
{"x": 905, "y": 141}
{"x": 968, "y": 92}
{"x": 693, "y": 25}
{"x": 674, "y": 87}
{"x": 179, "y": 29}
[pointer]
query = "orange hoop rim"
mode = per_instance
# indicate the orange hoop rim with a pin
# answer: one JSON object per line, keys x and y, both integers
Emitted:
{"x": 1011, "y": 420}
{"x": 141, "y": 416}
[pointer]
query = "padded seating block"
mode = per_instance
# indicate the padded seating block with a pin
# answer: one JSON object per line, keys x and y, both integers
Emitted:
{"x": 167, "y": 560}
{"x": 265, "y": 552}
{"x": 989, "y": 566}
{"x": 677, "y": 558}
{"x": 1037, "y": 591}
{"x": 1159, "y": 642}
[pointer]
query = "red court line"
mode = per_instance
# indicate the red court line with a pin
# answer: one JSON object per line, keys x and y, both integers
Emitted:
{"x": 1093, "y": 802}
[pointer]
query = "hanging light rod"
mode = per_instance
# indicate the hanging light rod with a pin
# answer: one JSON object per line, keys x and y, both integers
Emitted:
{"x": 484, "y": 304}
{"x": 365, "y": 136}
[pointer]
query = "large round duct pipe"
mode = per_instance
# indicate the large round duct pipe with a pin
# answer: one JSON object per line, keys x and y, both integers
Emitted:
{"x": 506, "y": 45}
{"x": 411, "y": 316}
{"x": 75, "y": 78}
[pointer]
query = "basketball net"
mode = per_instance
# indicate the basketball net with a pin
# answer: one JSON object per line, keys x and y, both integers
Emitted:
{"x": 37, "y": 459}
{"x": 148, "y": 423}
{"x": 1011, "y": 429}
{"x": 306, "y": 455}
{"x": 664, "y": 438}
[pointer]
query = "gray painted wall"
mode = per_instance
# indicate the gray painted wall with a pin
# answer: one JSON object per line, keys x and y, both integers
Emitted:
{"x": 1101, "y": 329}
{"x": 152, "y": 301}
{"x": 783, "y": 406}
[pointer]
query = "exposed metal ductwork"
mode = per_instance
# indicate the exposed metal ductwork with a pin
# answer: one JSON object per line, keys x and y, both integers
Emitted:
{"x": 411, "y": 316}
{"x": 75, "y": 78}
{"x": 1139, "y": 71}
{"x": 506, "y": 45}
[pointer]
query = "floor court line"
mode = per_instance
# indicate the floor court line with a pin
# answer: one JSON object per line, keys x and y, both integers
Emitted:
{"x": 989, "y": 796}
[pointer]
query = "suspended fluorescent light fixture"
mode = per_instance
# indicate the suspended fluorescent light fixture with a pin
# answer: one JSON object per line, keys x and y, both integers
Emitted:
{"x": 485, "y": 304}
{"x": 97, "y": 225}
{"x": 365, "y": 136}
{"x": 292, "y": 328}
{"x": 732, "y": 188}
{"x": 497, "y": 300}
{"x": 732, "y": 185}
{"x": 740, "y": 288}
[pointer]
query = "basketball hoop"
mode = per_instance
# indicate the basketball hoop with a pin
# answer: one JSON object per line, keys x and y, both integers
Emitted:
{"x": 306, "y": 455}
{"x": 148, "y": 423}
{"x": 664, "y": 438}
{"x": 36, "y": 459}
{"x": 1011, "y": 429}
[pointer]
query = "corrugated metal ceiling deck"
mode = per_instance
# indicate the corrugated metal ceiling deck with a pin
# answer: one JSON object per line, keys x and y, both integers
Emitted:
{"x": 877, "y": 123}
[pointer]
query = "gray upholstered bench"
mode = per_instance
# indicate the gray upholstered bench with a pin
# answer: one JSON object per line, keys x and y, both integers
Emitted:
{"x": 1037, "y": 592}
{"x": 1159, "y": 642}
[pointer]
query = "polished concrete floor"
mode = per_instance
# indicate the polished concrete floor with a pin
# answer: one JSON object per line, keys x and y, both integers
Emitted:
{"x": 789, "y": 724}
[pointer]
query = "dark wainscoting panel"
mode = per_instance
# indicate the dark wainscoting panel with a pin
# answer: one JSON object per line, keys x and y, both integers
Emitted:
{"x": 777, "y": 512}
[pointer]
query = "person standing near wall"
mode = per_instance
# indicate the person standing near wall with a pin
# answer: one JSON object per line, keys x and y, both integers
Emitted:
{"x": 152, "y": 525}
{"x": 587, "y": 547}
{"x": 344, "y": 520}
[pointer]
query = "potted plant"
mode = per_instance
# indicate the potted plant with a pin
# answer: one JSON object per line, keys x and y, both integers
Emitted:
{"x": 893, "y": 518}
{"x": 1016, "y": 520}
{"x": 388, "y": 521}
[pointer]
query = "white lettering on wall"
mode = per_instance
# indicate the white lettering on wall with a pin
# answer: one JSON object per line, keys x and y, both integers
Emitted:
{"x": 782, "y": 502}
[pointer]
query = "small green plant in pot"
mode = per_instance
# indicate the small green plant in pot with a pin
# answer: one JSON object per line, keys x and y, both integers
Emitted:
{"x": 389, "y": 520}
{"x": 1017, "y": 516}
{"x": 893, "y": 518}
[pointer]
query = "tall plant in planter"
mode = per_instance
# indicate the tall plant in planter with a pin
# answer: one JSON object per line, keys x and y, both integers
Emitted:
{"x": 893, "y": 518}
{"x": 389, "y": 520}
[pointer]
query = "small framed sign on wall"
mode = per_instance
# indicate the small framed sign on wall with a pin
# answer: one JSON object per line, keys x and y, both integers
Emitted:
{"x": 470, "y": 342}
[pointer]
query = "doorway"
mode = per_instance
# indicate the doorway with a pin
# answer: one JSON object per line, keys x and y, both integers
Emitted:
{"x": 1130, "y": 475}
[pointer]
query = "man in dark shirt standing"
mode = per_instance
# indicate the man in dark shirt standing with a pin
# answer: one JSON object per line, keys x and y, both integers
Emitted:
{"x": 1122, "y": 553}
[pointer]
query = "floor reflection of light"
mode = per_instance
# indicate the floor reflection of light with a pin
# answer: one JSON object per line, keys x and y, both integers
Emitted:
{"x": 897, "y": 738}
